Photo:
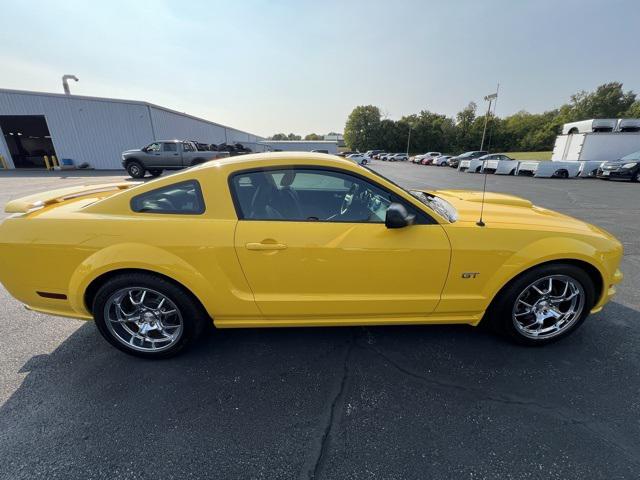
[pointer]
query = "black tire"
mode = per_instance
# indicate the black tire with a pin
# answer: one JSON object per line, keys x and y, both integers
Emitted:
{"x": 194, "y": 317}
{"x": 364, "y": 162}
{"x": 636, "y": 177}
{"x": 135, "y": 169}
{"x": 562, "y": 174}
{"x": 500, "y": 314}
{"x": 155, "y": 172}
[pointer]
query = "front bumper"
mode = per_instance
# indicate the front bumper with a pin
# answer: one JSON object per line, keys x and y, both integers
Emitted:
{"x": 620, "y": 174}
{"x": 609, "y": 292}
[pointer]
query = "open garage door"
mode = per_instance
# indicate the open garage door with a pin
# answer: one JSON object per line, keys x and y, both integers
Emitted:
{"x": 28, "y": 139}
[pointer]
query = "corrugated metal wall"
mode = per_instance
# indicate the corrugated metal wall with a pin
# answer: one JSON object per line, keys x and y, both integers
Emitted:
{"x": 97, "y": 131}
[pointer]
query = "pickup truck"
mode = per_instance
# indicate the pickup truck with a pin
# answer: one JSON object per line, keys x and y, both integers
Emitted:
{"x": 165, "y": 155}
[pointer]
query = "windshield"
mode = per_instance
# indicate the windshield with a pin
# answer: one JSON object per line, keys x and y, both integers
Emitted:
{"x": 632, "y": 156}
{"x": 435, "y": 203}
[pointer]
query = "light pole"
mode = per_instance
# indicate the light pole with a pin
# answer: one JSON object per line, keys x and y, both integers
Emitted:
{"x": 489, "y": 98}
{"x": 409, "y": 140}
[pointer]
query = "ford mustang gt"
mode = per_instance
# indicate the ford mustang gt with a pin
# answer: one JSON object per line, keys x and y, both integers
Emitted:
{"x": 295, "y": 239}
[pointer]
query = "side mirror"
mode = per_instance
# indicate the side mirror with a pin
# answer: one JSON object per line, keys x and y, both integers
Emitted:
{"x": 398, "y": 217}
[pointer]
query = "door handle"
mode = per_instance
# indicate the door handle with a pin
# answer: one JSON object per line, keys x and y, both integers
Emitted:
{"x": 265, "y": 246}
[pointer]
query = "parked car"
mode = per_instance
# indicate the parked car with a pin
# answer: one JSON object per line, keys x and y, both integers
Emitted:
{"x": 490, "y": 161}
{"x": 385, "y": 156}
{"x": 626, "y": 168}
{"x": 359, "y": 158}
{"x": 441, "y": 161}
{"x": 426, "y": 158}
{"x": 165, "y": 155}
{"x": 398, "y": 157}
{"x": 345, "y": 154}
{"x": 320, "y": 151}
{"x": 229, "y": 244}
{"x": 455, "y": 161}
{"x": 380, "y": 155}
{"x": 370, "y": 154}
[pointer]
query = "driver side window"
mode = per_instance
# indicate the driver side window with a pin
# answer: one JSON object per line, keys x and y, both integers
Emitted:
{"x": 306, "y": 194}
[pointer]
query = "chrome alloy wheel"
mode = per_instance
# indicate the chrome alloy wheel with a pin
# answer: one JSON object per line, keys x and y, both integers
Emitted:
{"x": 548, "y": 306}
{"x": 143, "y": 319}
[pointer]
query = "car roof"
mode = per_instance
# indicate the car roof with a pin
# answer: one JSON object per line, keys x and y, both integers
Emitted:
{"x": 254, "y": 160}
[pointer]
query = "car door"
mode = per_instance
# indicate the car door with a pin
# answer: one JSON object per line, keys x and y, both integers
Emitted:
{"x": 188, "y": 153}
{"x": 313, "y": 245}
{"x": 153, "y": 153}
{"x": 170, "y": 155}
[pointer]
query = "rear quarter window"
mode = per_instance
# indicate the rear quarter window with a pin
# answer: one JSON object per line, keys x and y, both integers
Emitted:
{"x": 179, "y": 198}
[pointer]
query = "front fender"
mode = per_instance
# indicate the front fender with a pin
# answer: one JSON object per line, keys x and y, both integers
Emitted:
{"x": 134, "y": 256}
{"x": 548, "y": 250}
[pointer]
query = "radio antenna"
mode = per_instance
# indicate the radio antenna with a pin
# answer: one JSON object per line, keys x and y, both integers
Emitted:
{"x": 489, "y": 98}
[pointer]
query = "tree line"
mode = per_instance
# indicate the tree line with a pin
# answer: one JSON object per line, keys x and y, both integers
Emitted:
{"x": 293, "y": 136}
{"x": 366, "y": 129}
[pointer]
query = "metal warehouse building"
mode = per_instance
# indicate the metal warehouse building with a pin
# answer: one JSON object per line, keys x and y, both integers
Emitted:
{"x": 96, "y": 130}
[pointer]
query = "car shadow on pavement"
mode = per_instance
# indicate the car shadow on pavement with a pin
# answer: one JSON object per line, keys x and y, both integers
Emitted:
{"x": 396, "y": 402}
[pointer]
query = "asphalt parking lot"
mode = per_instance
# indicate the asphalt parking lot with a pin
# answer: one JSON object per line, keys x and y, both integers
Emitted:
{"x": 387, "y": 402}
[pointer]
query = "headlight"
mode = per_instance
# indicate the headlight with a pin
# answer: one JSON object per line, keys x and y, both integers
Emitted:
{"x": 629, "y": 165}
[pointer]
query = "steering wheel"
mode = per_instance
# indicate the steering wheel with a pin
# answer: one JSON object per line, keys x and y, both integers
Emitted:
{"x": 347, "y": 201}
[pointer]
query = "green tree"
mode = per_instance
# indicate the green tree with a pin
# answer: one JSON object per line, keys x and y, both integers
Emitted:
{"x": 633, "y": 111}
{"x": 278, "y": 136}
{"x": 608, "y": 101}
{"x": 464, "y": 123}
{"x": 389, "y": 136}
{"x": 313, "y": 136}
{"x": 293, "y": 136}
{"x": 362, "y": 130}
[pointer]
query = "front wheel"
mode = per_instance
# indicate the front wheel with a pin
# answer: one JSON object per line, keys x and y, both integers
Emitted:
{"x": 135, "y": 169}
{"x": 147, "y": 316}
{"x": 636, "y": 177}
{"x": 543, "y": 305}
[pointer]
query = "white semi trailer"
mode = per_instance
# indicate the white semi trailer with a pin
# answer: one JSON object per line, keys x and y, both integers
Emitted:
{"x": 599, "y": 139}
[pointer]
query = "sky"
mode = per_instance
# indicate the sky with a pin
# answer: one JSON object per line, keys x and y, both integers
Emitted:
{"x": 302, "y": 66}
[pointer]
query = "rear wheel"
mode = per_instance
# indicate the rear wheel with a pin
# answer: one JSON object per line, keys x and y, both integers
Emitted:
{"x": 156, "y": 172}
{"x": 543, "y": 305}
{"x": 135, "y": 169}
{"x": 147, "y": 316}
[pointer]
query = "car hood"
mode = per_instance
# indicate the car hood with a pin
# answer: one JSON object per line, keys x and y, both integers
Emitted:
{"x": 133, "y": 150}
{"x": 501, "y": 208}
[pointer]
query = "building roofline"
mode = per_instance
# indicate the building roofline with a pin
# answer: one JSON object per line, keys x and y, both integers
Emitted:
{"x": 119, "y": 100}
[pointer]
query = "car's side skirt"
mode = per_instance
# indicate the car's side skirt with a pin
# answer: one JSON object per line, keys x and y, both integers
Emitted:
{"x": 235, "y": 322}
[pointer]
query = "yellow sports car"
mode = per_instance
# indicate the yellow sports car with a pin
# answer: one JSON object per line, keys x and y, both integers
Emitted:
{"x": 295, "y": 239}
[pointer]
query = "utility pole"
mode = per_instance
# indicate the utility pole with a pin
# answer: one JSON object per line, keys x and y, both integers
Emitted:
{"x": 409, "y": 140}
{"x": 488, "y": 98}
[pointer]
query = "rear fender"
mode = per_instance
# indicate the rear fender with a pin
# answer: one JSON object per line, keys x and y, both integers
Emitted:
{"x": 135, "y": 256}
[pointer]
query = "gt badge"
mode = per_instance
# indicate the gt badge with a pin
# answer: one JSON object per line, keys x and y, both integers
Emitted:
{"x": 470, "y": 274}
